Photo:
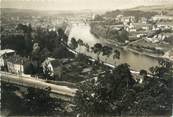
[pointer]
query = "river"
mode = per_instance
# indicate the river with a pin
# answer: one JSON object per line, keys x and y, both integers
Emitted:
{"x": 136, "y": 61}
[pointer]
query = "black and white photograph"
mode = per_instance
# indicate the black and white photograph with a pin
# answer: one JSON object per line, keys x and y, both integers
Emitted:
{"x": 86, "y": 58}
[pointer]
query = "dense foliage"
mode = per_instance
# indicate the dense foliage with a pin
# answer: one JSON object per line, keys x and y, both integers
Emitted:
{"x": 31, "y": 102}
{"x": 115, "y": 92}
{"x": 103, "y": 31}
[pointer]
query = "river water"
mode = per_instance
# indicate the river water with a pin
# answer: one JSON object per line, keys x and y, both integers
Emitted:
{"x": 136, "y": 61}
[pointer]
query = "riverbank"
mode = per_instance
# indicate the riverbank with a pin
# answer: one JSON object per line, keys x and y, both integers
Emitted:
{"x": 152, "y": 55}
{"x": 128, "y": 48}
{"x": 143, "y": 53}
{"x": 136, "y": 61}
{"x": 131, "y": 49}
{"x": 141, "y": 47}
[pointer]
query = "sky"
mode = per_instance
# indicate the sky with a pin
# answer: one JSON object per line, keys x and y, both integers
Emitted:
{"x": 79, "y": 4}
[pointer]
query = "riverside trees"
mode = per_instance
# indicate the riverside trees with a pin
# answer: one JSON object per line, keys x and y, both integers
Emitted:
{"x": 104, "y": 95}
{"x": 116, "y": 93}
{"x": 105, "y": 50}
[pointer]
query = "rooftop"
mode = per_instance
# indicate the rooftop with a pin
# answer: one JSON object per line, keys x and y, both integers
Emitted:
{"x": 2, "y": 52}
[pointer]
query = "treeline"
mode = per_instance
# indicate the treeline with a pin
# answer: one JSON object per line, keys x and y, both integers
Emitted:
{"x": 106, "y": 32}
{"x": 115, "y": 93}
{"x": 37, "y": 45}
{"x": 17, "y": 43}
{"x": 135, "y": 13}
{"x": 35, "y": 102}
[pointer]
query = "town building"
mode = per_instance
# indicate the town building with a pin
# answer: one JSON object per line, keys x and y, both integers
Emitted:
{"x": 54, "y": 67}
{"x": 165, "y": 25}
{"x": 5, "y": 54}
{"x": 162, "y": 18}
{"x": 15, "y": 64}
{"x": 133, "y": 27}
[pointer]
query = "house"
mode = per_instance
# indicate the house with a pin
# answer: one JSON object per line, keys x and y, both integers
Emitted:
{"x": 142, "y": 26}
{"x": 5, "y": 54}
{"x": 162, "y": 18}
{"x": 15, "y": 64}
{"x": 6, "y": 51}
{"x": 155, "y": 28}
{"x": 117, "y": 27}
{"x": 47, "y": 66}
{"x": 165, "y": 25}
{"x": 144, "y": 20}
{"x": 128, "y": 19}
{"x": 119, "y": 17}
{"x": 153, "y": 40}
{"x": 158, "y": 37}
{"x": 54, "y": 67}
{"x": 134, "y": 27}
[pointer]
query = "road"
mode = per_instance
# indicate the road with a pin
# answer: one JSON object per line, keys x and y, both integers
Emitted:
{"x": 28, "y": 81}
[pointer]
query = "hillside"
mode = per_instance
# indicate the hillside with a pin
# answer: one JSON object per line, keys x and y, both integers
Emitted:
{"x": 156, "y": 8}
{"x": 142, "y": 11}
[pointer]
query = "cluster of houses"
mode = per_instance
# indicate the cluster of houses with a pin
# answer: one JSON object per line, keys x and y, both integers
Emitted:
{"x": 144, "y": 26}
{"x": 159, "y": 37}
{"x": 51, "y": 68}
{"x": 68, "y": 69}
{"x": 12, "y": 62}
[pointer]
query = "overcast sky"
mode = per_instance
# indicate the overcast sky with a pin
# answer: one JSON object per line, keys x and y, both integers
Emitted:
{"x": 79, "y": 4}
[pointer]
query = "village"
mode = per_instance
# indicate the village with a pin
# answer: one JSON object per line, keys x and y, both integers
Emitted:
{"x": 38, "y": 48}
{"x": 150, "y": 34}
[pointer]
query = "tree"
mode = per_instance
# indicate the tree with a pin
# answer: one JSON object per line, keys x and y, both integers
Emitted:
{"x": 107, "y": 51}
{"x": 92, "y": 98}
{"x": 40, "y": 103}
{"x": 87, "y": 47}
{"x": 65, "y": 39}
{"x": 143, "y": 73}
{"x": 164, "y": 67}
{"x": 116, "y": 55}
{"x": 73, "y": 43}
{"x": 61, "y": 52}
{"x": 97, "y": 49}
{"x": 123, "y": 74}
{"x": 152, "y": 70}
{"x": 36, "y": 48}
{"x": 80, "y": 43}
{"x": 28, "y": 68}
{"x": 117, "y": 93}
{"x": 60, "y": 33}
{"x": 123, "y": 35}
{"x": 44, "y": 53}
{"x": 98, "y": 18}
{"x": 103, "y": 95}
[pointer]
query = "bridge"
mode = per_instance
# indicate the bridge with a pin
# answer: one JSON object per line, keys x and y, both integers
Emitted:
{"x": 65, "y": 93}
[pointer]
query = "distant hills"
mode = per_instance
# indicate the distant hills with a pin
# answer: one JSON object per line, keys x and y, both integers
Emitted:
{"x": 154, "y": 9}
{"x": 168, "y": 7}
{"x": 142, "y": 11}
{"x": 31, "y": 12}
